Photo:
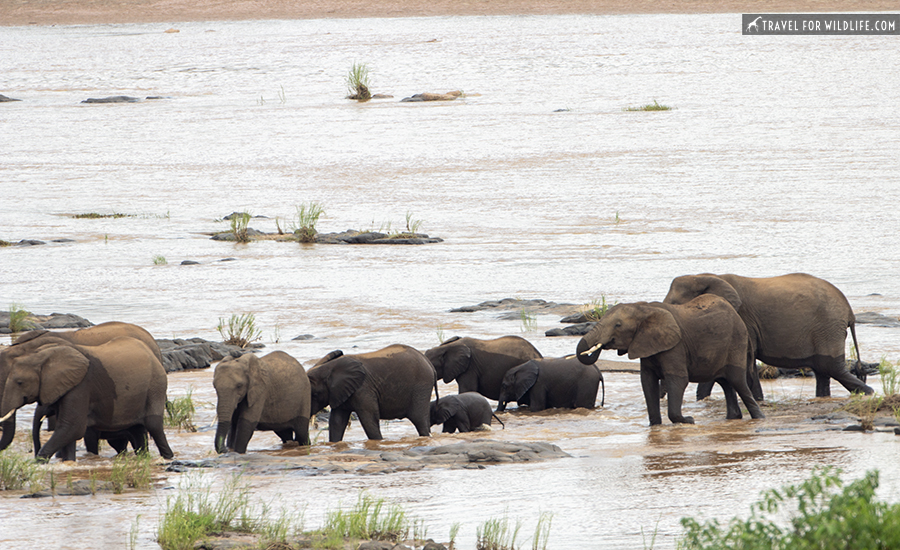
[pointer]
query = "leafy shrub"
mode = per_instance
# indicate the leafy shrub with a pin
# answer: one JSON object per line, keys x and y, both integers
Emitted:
{"x": 827, "y": 517}
{"x": 239, "y": 330}
{"x": 240, "y": 223}
{"x": 304, "y": 225}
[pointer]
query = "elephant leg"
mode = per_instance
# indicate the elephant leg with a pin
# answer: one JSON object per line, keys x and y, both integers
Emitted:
{"x": 537, "y": 400}
{"x": 92, "y": 442}
{"x": 423, "y": 426}
{"x": 675, "y": 385}
{"x": 301, "y": 430}
{"x": 823, "y": 384}
{"x": 738, "y": 379}
{"x": 650, "y": 385}
{"x": 137, "y": 436}
{"x": 370, "y": 422}
{"x": 154, "y": 425}
{"x": 836, "y": 367}
{"x": 704, "y": 390}
{"x": 287, "y": 434}
{"x": 449, "y": 426}
{"x": 71, "y": 424}
{"x": 245, "y": 429}
{"x": 337, "y": 424}
{"x": 732, "y": 407}
{"x": 461, "y": 423}
{"x": 37, "y": 421}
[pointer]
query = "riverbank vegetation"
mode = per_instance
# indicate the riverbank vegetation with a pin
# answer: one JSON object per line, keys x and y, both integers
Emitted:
{"x": 655, "y": 106}
{"x": 239, "y": 330}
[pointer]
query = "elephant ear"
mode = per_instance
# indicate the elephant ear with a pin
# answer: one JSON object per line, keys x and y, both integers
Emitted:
{"x": 62, "y": 368}
{"x": 330, "y": 357}
{"x": 445, "y": 409}
{"x": 656, "y": 333}
{"x": 456, "y": 362}
{"x": 257, "y": 382}
{"x": 525, "y": 377}
{"x": 345, "y": 379}
{"x": 720, "y": 287}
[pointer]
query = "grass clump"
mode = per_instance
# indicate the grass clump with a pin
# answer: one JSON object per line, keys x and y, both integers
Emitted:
{"x": 131, "y": 471}
{"x": 96, "y": 216}
{"x": 823, "y": 514}
{"x": 159, "y": 259}
{"x": 368, "y": 520}
{"x": 239, "y": 330}
{"x": 5, "y": 243}
{"x": 497, "y": 534}
{"x": 18, "y": 319}
{"x": 180, "y": 412}
{"x": 304, "y": 225}
{"x": 655, "y": 106}
{"x": 358, "y": 82}
{"x": 240, "y": 223}
{"x": 865, "y": 407}
{"x": 596, "y": 309}
{"x": 529, "y": 321}
{"x": 196, "y": 512}
{"x": 890, "y": 377}
{"x": 18, "y": 471}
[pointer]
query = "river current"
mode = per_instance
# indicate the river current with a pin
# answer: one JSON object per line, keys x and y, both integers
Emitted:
{"x": 779, "y": 155}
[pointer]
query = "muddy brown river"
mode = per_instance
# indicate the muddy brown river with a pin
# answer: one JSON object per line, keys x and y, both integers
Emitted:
{"x": 778, "y": 156}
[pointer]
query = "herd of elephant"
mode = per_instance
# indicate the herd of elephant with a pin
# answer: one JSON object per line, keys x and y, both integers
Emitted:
{"x": 108, "y": 382}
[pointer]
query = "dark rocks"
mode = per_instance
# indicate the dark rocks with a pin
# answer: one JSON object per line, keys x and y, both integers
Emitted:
{"x": 190, "y": 262}
{"x": 430, "y": 96}
{"x": 229, "y": 235}
{"x": 196, "y": 353}
{"x": 517, "y": 306}
{"x": 579, "y": 329}
{"x": 29, "y": 242}
{"x": 113, "y": 99}
{"x": 240, "y": 214}
{"x": 303, "y": 337}
{"x": 351, "y": 236}
{"x": 46, "y": 322}
{"x": 4, "y": 99}
{"x": 877, "y": 319}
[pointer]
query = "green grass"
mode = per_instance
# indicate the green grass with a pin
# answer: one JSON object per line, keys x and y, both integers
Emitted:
{"x": 304, "y": 224}
{"x": 596, "y": 309}
{"x": 454, "y": 531}
{"x": 5, "y": 243}
{"x": 412, "y": 225}
{"x": 865, "y": 407}
{"x": 358, "y": 82}
{"x": 529, "y": 321}
{"x": 18, "y": 471}
{"x": 96, "y": 216}
{"x": 497, "y": 534}
{"x": 131, "y": 471}
{"x": 890, "y": 377}
{"x": 821, "y": 513}
{"x": 369, "y": 519}
{"x": 159, "y": 260}
{"x": 239, "y": 330}
{"x": 18, "y": 319}
{"x": 542, "y": 532}
{"x": 180, "y": 412}
{"x": 655, "y": 106}
{"x": 239, "y": 225}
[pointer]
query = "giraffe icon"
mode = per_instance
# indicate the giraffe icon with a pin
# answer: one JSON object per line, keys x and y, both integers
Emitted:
{"x": 753, "y": 24}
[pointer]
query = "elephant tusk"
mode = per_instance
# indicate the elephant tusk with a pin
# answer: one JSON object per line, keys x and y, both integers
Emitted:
{"x": 592, "y": 350}
{"x": 570, "y": 356}
{"x": 10, "y": 413}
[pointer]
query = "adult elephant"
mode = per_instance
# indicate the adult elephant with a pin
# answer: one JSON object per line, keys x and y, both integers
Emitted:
{"x": 465, "y": 412}
{"x": 794, "y": 321}
{"x": 90, "y": 336}
{"x": 563, "y": 382}
{"x": 110, "y": 387}
{"x": 479, "y": 365}
{"x": 394, "y": 382}
{"x": 701, "y": 341}
{"x": 259, "y": 394}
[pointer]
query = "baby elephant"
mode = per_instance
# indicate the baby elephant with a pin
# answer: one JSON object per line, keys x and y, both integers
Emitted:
{"x": 256, "y": 394}
{"x": 541, "y": 384}
{"x": 465, "y": 412}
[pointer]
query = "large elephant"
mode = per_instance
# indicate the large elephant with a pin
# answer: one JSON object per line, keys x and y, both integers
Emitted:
{"x": 562, "y": 382}
{"x": 394, "y": 382}
{"x": 794, "y": 321}
{"x": 465, "y": 412}
{"x": 110, "y": 387}
{"x": 701, "y": 341}
{"x": 479, "y": 365}
{"x": 90, "y": 336}
{"x": 257, "y": 394}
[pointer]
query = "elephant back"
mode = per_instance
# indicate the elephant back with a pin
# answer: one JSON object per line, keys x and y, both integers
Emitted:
{"x": 288, "y": 383}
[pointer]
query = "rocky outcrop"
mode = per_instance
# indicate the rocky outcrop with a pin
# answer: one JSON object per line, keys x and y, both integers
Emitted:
{"x": 112, "y": 99}
{"x": 578, "y": 329}
{"x": 877, "y": 319}
{"x": 512, "y": 307}
{"x": 351, "y": 236}
{"x": 54, "y": 321}
{"x": 4, "y": 99}
{"x": 197, "y": 353}
{"x": 229, "y": 235}
{"x": 430, "y": 96}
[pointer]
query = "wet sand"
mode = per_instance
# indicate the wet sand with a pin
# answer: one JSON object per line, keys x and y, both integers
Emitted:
{"x": 69, "y": 12}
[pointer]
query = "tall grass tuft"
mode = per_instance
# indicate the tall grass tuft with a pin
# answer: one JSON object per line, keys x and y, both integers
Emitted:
{"x": 529, "y": 321}
{"x": 358, "y": 82}
{"x": 595, "y": 309}
{"x": 239, "y": 330}
{"x": 131, "y": 471}
{"x": 18, "y": 319}
{"x": 18, "y": 471}
{"x": 890, "y": 377}
{"x": 180, "y": 412}
{"x": 542, "y": 531}
{"x": 412, "y": 225}
{"x": 196, "y": 511}
{"x": 454, "y": 530}
{"x": 367, "y": 520}
{"x": 655, "y": 106}
{"x": 240, "y": 224}
{"x": 159, "y": 259}
{"x": 304, "y": 225}
{"x": 497, "y": 534}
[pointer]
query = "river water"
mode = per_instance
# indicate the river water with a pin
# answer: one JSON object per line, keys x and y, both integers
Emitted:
{"x": 780, "y": 155}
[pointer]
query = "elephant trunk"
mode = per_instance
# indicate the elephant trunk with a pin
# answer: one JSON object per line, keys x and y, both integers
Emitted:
{"x": 9, "y": 431}
{"x": 222, "y": 431}
{"x": 587, "y": 353}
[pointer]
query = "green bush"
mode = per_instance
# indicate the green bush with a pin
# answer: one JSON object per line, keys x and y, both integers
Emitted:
{"x": 240, "y": 223}
{"x": 358, "y": 82}
{"x": 239, "y": 330}
{"x": 18, "y": 319}
{"x": 304, "y": 225}
{"x": 18, "y": 471}
{"x": 827, "y": 516}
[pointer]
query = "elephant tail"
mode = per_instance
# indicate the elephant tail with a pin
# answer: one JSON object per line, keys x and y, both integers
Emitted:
{"x": 860, "y": 370}
{"x": 498, "y": 420}
{"x": 602, "y": 385}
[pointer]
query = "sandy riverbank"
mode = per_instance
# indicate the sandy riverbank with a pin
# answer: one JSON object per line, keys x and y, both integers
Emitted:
{"x": 68, "y": 12}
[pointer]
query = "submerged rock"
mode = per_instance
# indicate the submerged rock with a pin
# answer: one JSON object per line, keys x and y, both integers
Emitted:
{"x": 4, "y": 99}
{"x": 112, "y": 99}
{"x": 53, "y": 321}
{"x": 197, "y": 353}
{"x": 430, "y": 96}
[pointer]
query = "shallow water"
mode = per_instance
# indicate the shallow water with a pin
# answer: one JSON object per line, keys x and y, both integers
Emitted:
{"x": 778, "y": 157}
